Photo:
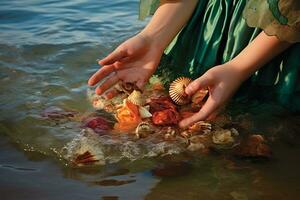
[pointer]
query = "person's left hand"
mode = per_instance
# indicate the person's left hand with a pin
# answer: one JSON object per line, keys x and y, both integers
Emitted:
{"x": 222, "y": 81}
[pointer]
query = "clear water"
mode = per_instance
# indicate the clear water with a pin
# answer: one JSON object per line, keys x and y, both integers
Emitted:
{"x": 48, "y": 50}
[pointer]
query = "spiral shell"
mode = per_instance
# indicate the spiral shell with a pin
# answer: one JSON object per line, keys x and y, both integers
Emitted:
{"x": 136, "y": 98}
{"x": 125, "y": 87}
{"x": 143, "y": 130}
{"x": 177, "y": 90}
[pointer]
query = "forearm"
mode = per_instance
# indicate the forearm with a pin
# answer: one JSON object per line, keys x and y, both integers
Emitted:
{"x": 168, "y": 20}
{"x": 260, "y": 51}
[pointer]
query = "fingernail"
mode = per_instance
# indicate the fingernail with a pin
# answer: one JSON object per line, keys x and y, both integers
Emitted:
{"x": 98, "y": 61}
{"x": 187, "y": 91}
{"x": 98, "y": 91}
{"x": 181, "y": 124}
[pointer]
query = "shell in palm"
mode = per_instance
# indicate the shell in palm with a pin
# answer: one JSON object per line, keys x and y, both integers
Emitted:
{"x": 136, "y": 98}
{"x": 199, "y": 96}
{"x": 177, "y": 90}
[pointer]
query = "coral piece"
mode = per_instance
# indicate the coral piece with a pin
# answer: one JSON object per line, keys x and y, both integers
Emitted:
{"x": 98, "y": 124}
{"x": 166, "y": 117}
{"x": 160, "y": 104}
{"x": 253, "y": 147}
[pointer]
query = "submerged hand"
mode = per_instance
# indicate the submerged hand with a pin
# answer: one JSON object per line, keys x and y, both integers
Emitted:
{"x": 222, "y": 81}
{"x": 133, "y": 61}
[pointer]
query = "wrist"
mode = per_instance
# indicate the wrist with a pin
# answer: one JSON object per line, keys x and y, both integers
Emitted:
{"x": 240, "y": 68}
{"x": 153, "y": 39}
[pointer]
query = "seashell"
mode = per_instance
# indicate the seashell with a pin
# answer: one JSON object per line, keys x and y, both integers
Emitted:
{"x": 143, "y": 130}
{"x": 195, "y": 147}
{"x": 169, "y": 137}
{"x": 223, "y": 136}
{"x": 177, "y": 90}
{"x": 200, "y": 127}
{"x": 136, "y": 98}
{"x": 128, "y": 117}
{"x": 87, "y": 158}
{"x": 186, "y": 134}
{"x": 199, "y": 96}
{"x": 125, "y": 87}
{"x": 144, "y": 112}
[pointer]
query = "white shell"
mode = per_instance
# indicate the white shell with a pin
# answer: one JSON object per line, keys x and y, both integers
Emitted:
{"x": 223, "y": 136}
{"x": 136, "y": 98}
{"x": 144, "y": 112}
{"x": 177, "y": 90}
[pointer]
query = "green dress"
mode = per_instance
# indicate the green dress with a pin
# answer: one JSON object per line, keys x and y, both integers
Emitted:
{"x": 219, "y": 29}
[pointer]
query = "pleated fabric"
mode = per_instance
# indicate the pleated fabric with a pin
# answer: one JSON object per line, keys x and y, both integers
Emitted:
{"x": 215, "y": 34}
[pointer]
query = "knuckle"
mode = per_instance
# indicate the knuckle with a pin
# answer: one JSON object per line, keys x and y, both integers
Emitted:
{"x": 194, "y": 85}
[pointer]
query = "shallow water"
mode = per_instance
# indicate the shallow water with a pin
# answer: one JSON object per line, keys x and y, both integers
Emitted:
{"x": 48, "y": 49}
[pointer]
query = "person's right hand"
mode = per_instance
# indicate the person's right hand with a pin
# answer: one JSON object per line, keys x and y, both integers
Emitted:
{"x": 134, "y": 61}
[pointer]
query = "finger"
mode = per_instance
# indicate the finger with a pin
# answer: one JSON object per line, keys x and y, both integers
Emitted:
{"x": 111, "y": 94}
{"x": 217, "y": 112}
{"x": 111, "y": 81}
{"x": 100, "y": 74}
{"x": 209, "y": 107}
{"x": 140, "y": 84}
{"x": 201, "y": 82}
{"x": 113, "y": 57}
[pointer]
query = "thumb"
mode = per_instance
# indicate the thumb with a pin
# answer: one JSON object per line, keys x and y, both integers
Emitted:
{"x": 202, "y": 82}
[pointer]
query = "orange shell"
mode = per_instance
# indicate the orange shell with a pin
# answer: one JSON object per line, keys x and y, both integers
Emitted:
{"x": 158, "y": 86}
{"x": 128, "y": 117}
{"x": 177, "y": 90}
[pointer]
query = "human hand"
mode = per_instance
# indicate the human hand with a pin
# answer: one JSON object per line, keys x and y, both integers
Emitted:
{"x": 222, "y": 81}
{"x": 134, "y": 61}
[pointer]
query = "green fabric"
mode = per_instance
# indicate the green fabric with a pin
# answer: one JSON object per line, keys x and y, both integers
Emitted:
{"x": 147, "y": 7}
{"x": 215, "y": 34}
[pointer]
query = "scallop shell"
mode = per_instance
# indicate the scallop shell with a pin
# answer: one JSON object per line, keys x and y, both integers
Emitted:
{"x": 177, "y": 90}
{"x": 136, "y": 98}
{"x": 85, "y": 159}
{"x": 200, "y": 127}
